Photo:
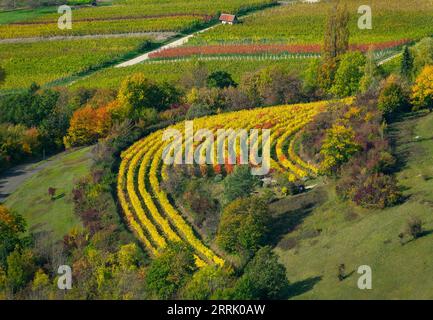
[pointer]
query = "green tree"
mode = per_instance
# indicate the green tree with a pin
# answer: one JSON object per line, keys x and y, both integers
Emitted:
{"x": 422, "y": 54}
{"x": 220, "y": 79}
{"x": 207, "y": 282}
{"x": 406, "y": 67}
{"x": 11, "y": 227}
{"x": 264, "y": 278}
{"x": 243, "y": 225}
{"x": 349, "y": 74}
{"x": 138, "y": 92}
{"x": 21, "y": 267}
{"x": 393, "y": 97}
{"x": 337, "y": 148}
{"x": 170, "y": 271}
{"x": 240, "y": 183}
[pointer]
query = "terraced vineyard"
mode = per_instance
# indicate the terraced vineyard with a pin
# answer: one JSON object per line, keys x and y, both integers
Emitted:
{"x": 148, "y": 209}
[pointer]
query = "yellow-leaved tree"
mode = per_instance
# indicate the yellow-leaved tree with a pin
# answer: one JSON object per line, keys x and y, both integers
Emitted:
{"x": 422, "y": 91}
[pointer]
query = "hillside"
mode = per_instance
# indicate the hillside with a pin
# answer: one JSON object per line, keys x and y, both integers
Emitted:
{"x": 356, "y": 237}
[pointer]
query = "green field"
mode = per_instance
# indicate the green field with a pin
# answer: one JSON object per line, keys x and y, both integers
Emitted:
{"x": 31, "y": 199}
{"x": 43, "y": 62}
{"x": 174, "y": 70}
{"x": 303, "y": 23}
{"x": 356, "y": 237}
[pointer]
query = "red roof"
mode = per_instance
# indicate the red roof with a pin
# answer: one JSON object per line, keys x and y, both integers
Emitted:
{"x": 228, "y": 17}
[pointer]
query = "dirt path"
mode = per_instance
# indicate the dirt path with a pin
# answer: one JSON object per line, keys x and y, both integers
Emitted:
{"x": 12, "y": 178}
{"x": 174, "y": 44}
{"x": 158, "y": 36}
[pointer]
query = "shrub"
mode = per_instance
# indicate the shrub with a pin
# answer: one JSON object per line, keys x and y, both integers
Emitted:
{"x": 393, "y": 97}
{"x": 377, "y": 191}
{"x": 338, "y": 146}
{"x": 414, "y": 227}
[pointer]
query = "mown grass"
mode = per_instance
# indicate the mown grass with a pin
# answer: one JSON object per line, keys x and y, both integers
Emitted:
{"x": 336, "y": 232}
{"x": 31, "y": 199}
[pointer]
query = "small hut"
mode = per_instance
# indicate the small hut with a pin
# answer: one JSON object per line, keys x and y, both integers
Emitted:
{"x": 228, "y": 18}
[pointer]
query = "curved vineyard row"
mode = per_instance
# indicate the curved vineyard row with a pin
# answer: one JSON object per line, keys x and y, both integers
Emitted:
{"x": 148, "y": 208}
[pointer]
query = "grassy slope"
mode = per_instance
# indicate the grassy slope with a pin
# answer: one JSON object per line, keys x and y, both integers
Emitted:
{"x": 355, "y": 236}
{"x": 32, "y": 201}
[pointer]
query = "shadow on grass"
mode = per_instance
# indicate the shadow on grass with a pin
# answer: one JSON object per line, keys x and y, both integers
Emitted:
{"x": 59, "y": 196}
{"x": 301, "y": 287}
{"x": 421, "y": 235}
{"x": 283, "y": 224}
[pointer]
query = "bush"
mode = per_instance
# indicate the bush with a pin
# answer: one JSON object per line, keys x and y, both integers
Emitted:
{"x": 393, "y": 97}
{"x": 338, "y": 146}
{"x": 377, "y": 191}
{"x": 414, "y": 227}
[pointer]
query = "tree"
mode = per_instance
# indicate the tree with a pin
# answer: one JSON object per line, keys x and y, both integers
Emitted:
{"x": 337, "y": 148}
{"x": 422, "y": 54}
{"x": 240, "y": 183}
{"x": 272, "y": 86}
{"x": 336, "y": 40}
{"x": 220, "y": 79}
{"x": 422, "y": 91}
{"x": 206, "y": 282}
{"x": 406, "y": 67}
{"x": 349, "y": 74}
{"x": 20, "y": 268}
{"x": 12, "y": 225}
{"x": 138, "y": 92}
{"x": 243, "y": 225}
{"x": 88, "y": 125}
{"x": 196, "y": 75}
{"x": 393, "y": 97}
{"x": 170, "y": 270}
{"x": 264, "y": 278}
{"x": 371, "y": 75}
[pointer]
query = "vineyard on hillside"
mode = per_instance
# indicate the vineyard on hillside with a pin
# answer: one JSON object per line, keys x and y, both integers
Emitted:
{"x": 54, "y": 60}
{"x": 303, "y": 23}
{"x": 129, "y": 17}
{"x": 148, "y": 209}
